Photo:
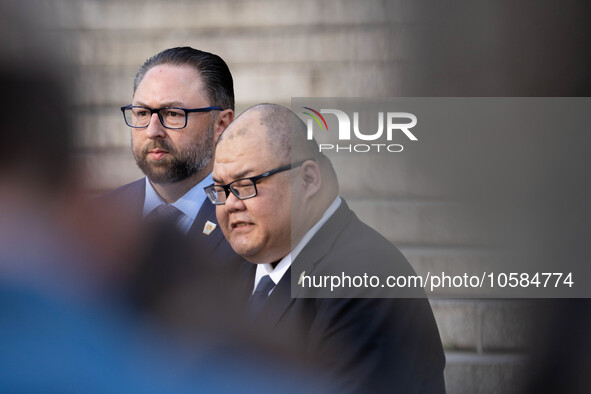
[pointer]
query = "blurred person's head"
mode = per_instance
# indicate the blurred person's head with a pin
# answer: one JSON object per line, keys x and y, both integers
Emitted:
{"x": 48, "y": 232}
{"x": 264, "y": 138}
{"x": 176, "y": 145}
{"x": 34, "y": 122}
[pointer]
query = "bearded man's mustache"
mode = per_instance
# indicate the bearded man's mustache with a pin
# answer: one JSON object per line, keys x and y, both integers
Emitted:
{"x": 157, "y": 145}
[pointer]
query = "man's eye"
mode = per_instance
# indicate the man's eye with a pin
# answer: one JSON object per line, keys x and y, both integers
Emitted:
{"x": 142, "y": 113}
{"x": 242, "y": 184}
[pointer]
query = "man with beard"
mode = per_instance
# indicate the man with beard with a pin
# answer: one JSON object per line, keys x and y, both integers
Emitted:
{"x": 183, "y": 99}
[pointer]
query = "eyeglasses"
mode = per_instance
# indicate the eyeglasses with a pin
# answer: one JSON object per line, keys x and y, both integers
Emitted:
{"x": 243, "y": 188}
{"x": 171, "y": 117}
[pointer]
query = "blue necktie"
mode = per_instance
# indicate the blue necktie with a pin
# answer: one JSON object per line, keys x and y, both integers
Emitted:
{"x": 260, "y": 295}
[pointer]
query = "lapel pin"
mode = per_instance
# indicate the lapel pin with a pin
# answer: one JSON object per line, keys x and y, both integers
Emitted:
{"x": 209, "y": 227}
{"x": 301, "y": 278}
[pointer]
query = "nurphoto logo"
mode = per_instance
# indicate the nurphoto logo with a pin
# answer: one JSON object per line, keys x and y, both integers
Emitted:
{"x": 397, "y": 123}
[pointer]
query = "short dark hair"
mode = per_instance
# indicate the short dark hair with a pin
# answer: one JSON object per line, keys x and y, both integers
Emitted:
{"x": 214, "y": 72}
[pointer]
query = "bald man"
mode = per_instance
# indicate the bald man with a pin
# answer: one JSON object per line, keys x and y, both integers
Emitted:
{"x": 276, "y": 202}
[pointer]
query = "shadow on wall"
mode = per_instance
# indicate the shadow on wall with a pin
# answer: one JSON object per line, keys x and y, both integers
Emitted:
{"x": 520, "y": 49}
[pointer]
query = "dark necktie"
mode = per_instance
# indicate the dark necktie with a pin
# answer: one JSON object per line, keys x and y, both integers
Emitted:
{"x": 165, "y": 213}
{"x": 260, "y": 295}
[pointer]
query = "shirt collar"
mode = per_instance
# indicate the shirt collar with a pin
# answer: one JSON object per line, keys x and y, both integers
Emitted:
{"x": 277, "y": 273}
{"x": 189, "y": 204}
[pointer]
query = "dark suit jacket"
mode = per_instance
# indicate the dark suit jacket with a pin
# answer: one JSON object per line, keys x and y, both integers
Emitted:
{"x": 171, "y": 259}
{"x": 213, "y": 246}
{"x": 365, "y": 344}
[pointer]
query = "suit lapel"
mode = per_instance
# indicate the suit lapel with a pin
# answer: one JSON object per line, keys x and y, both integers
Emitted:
{"x": 206, "y": 243}
{"x": 282, "y": 297}
{"x": 319, "y": 245}
{"x": 128, "y": 199}
{"x": 138, "y": 193}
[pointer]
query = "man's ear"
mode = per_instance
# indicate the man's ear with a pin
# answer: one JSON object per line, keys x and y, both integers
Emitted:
{"x": 311, "y": 179}
{"x": 222, "y": 121}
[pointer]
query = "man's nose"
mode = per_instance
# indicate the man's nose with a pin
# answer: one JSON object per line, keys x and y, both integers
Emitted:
{"x": 233, "y": 203}
{"x": 155, "y": 128}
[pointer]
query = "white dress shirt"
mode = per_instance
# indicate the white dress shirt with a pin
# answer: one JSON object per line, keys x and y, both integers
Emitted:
{"x": 277, "y": 273}
{"x": 189, "y": 204}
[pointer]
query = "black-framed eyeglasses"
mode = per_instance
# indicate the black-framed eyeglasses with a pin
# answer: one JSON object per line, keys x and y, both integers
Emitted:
{"x": 243, "y": 188}
{"x": 138, "y": 116}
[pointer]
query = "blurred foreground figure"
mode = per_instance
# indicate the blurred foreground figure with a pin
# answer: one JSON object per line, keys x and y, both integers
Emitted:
{"x": 273, "y": 212}
{"x": 56, "y": 332}
{"x": 63, "y": 267}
